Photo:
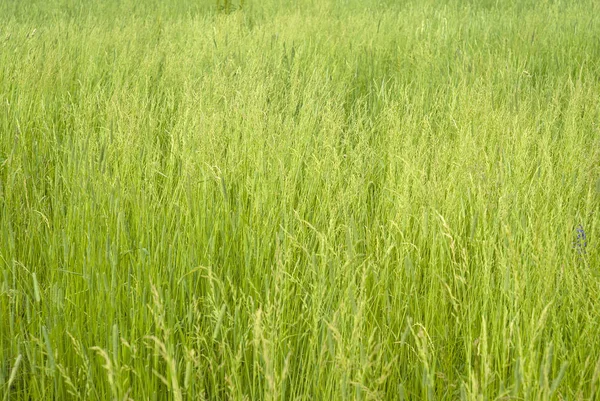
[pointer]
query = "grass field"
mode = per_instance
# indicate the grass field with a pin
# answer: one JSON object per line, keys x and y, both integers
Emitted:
{"x": 308, "y": 200}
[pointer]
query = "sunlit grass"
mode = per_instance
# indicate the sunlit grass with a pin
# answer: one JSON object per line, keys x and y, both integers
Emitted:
{"x": 325, "y": 200}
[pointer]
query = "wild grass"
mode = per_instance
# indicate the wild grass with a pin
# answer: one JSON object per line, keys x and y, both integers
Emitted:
{"x": 299, "y": 201}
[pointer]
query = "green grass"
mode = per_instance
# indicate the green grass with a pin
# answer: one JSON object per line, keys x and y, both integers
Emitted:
{"x": 313, "y": 200}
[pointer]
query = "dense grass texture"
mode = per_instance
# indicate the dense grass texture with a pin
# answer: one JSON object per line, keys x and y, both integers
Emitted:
{"x": 308, "y": 200}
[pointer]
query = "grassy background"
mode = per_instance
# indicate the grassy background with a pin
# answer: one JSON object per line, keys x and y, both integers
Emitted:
{"x": 299, "y": 200}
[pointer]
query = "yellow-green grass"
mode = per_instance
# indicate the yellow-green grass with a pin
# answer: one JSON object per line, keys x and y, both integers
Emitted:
{"x": 313, "y": 200}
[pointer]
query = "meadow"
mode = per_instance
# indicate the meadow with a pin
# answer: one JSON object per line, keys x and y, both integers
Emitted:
{"x": 299, "y": 200}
